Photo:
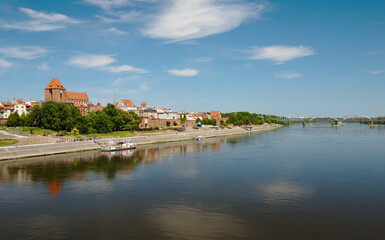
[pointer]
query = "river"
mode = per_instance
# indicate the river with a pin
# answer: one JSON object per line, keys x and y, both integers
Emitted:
{"x": 313, "y": 182}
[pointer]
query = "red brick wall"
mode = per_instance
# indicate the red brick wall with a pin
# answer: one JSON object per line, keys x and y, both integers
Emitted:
{"x": 153, "y": 123}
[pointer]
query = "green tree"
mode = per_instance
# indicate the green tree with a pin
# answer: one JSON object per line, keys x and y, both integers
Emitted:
{"x": 23, "y": 120}
{"x": 13, "y": 120}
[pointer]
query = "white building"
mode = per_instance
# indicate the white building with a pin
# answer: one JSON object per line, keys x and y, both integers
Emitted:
{"x": 126, "y": 105}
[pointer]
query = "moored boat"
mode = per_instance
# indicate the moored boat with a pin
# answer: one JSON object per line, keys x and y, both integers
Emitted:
{"x": 110, "y": 147}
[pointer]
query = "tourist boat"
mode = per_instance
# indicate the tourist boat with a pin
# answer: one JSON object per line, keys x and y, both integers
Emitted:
{"x": 110, "y": 147}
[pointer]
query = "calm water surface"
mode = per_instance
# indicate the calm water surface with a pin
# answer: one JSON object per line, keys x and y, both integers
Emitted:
{"x": 317, "y": 182}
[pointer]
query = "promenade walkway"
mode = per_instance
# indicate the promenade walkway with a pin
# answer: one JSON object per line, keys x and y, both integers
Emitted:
{"x": 24, "y": 151}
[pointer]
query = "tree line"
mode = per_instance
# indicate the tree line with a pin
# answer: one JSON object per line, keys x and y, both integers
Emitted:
{"x": 65, "y": 117}
{"x": 246, "y": 118}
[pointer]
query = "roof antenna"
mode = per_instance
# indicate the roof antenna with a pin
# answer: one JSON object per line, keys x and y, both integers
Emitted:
{"x": 114, "y": 97}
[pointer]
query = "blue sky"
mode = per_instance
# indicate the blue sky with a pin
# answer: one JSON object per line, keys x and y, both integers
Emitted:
{"x": 292, "y": 58}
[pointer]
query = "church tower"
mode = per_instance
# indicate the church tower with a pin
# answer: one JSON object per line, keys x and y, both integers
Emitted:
{"x": 55, "y": 92}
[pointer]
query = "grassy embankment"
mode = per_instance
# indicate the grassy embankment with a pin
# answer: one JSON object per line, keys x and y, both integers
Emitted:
{"x": 7, "y": 142}
{"x": 39, "y": 131}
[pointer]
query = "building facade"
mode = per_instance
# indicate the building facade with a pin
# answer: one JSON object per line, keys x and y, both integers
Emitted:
{"x": 55, "y": 92}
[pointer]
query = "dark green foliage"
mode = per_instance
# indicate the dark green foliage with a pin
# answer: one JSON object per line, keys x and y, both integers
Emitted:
{"x": 207, "y": 121}
{"x": 13, "y": 120}
{"x": 246, "y": 118}
{"x": 65, "y": 117}
{"x": 183, "y": 118}
{"x": 23, "y": 120}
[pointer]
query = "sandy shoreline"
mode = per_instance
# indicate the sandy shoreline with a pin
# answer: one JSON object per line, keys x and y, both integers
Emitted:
{"x": 35, "y": 150}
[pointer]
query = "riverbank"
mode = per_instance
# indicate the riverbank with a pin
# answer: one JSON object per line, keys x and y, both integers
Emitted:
{"x": 35, "y": 150}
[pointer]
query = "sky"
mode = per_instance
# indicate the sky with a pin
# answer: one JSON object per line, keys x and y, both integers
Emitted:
{"x": 289, "y": 58}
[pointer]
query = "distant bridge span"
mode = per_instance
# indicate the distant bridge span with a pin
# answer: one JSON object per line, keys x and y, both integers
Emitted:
{"x": 341, "y": 119}
{"x": 322, "y": 117}
{"x": 356, "y": 117}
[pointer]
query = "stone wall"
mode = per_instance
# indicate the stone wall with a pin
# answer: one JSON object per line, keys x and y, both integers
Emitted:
{"x": 154, "y": 123}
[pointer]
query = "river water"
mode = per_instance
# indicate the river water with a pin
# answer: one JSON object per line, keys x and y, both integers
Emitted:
{"x": 317, "y": 182}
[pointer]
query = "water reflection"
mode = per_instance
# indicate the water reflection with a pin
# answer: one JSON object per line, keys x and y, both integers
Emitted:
{"x": 317, "y": 182}
{"x": 55, "y": 171}
{"x": 284, "y": 192}
{"x": 196, "y": 222}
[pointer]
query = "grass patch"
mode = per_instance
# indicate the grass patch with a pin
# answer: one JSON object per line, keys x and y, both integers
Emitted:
{"x": 36, "y": 130}
{"x": 8, "y": 142}
{"x": 110, "y": 135}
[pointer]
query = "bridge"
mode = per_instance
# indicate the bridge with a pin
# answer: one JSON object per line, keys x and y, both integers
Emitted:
{"x": 327, "y": 118}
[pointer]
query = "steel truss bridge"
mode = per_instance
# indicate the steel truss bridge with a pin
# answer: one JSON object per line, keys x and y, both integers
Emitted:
{"x": 323, "y": 118}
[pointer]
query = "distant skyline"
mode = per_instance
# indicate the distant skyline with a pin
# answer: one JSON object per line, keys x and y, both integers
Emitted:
{"x": 291, "y": 58}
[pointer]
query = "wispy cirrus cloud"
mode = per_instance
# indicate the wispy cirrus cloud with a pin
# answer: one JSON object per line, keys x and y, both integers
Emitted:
{"x": 48, "y": 17}
{"x": 25, "y": 52}
{"x": 203, "y": 59}
{"x": 188, "y": 72}
{"x": 108, "y": 4}
{"x": 181, "y": 20}
{"x": 120, "y": 16}
{"x": 40, "y": 21}
{"x": 43, "y": 66}
{"x": 377, "y": 71}
{"x": 101, "y": 62}
{"x": 116, "y": 31}
{"x": 4, "y": 65}
{"x": 91, "y": 61}
{"x": 279, "y": 53}
{"x": 141, "y": 88}
{"x": 288, "y": 75}
{"x": 372, "y": 53}
{"x": 124, "y": 68}
{"x": 125, "y": 79}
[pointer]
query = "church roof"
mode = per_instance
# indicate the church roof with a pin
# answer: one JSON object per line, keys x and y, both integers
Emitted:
{"x": 77, "y": 96}
{"x": 55, "y": 84}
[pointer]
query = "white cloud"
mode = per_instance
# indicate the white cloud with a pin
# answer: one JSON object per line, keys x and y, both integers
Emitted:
{"x": 91, "y": 61}
{"x": 377, "y": 72}
{"x": 142, "y": 87}
{"x": 120, "y": 16}
{"x": 101, "y": 62}
{"x": 26, "y": 52}
{"x": 372, "y": 53}
{"x": 279, "y": 54}
{"x": 184, "y": 20}
{"x": 124, "y": 68}
{"x": 183, "y": 72}
{"x": 48, "y": 17}
{"x": 116, "y": 31}
{"x": 123, "y": 80}
{"x": 40, "y": 21}
{"x": 108, "y": 4}
{"x": 203, "y": 59}
{"x": 43, "y": 66}
{"x": 4, "y": 66}
{"x": 288, "y": 75}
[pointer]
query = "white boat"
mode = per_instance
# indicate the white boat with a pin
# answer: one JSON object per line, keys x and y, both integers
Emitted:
{"x": 118, "y": 146}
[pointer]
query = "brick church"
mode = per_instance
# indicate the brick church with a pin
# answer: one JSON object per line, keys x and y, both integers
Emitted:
{"x": 55, "y": 92}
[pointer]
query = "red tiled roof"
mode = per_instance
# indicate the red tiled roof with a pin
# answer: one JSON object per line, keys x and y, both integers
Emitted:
{"x": 128, "y": 102}
{"x": 79, "y": 105}
{"x": 55, "y": 84}
{"x": 77, "y": 96}
{"x": 215, "y": 113}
